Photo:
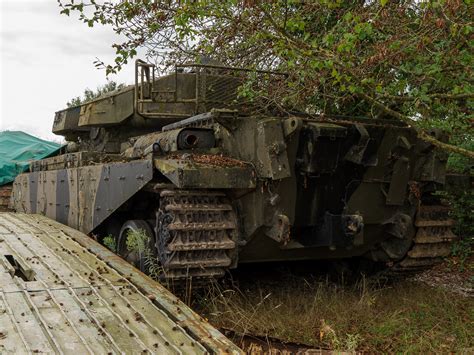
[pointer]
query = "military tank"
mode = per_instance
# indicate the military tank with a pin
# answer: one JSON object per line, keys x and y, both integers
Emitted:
{"x": 213, "y": 183}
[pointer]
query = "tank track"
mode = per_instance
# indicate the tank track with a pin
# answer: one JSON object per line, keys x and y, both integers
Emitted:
{"x": 197, "y": 233}
{"x": 432, "y": 241}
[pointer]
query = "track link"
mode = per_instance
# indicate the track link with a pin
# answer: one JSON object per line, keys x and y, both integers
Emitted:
{"x": 432, "y": 241}
{"x": 197, "y": 233}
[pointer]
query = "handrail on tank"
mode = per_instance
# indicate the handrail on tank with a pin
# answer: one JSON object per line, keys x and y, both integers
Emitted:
{"x": 142, "y": 69}
{"x": 145, "y": 84}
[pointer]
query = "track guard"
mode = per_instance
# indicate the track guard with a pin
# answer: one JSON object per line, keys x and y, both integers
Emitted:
{"x": 81, "y": 197}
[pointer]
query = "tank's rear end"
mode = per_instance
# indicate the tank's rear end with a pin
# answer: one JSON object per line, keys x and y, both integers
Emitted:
{"x": 210, "y": 183}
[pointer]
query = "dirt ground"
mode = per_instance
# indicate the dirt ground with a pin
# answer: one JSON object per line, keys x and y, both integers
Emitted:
{"x": 451, "y": 276}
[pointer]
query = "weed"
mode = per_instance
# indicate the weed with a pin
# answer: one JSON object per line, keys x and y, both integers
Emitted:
{"x": 462, "y": 211}
{"x": 110, "y": 243}
{"x": 366, "y": 316}
{"x": 461, "y": 200}
{"x": 462, "y": 203}
{"x": 154, "y": 268}
{"x": 463, "y": 250}
{"x": 137, "y": 241}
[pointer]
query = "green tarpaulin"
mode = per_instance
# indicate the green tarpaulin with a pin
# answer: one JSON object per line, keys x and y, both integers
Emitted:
{"x": 17, "y": 150}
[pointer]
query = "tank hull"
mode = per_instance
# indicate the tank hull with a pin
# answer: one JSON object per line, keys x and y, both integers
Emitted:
{"x": 301, "y": 189}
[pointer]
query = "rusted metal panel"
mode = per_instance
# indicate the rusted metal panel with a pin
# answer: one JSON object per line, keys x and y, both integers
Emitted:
{"x": 67, "y": 120}
{"x": 74, "y": 160}
{"x": 190, "y": 172}
{"x": 62, "y": 292}
{"x": 81, "y": 197}
{"x": 399, "y": 183}
{"x": 5, "y": 195}
{"x": 274, "y": 156}
{"x": 110, "y": 109}
{"x": 171, "y": 141}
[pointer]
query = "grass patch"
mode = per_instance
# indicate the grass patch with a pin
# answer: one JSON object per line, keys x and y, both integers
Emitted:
{"x": 138, "y": 242}
{"x": 109, "y": 242}
{"x": 366, "y": 316}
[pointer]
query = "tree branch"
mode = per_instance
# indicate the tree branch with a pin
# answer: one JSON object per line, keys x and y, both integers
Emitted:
{"x": 432, "y": 96}
{"x": 421, "y": 133}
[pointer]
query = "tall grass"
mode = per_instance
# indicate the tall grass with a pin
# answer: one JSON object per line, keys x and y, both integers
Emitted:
{"x": 365, "y": 316}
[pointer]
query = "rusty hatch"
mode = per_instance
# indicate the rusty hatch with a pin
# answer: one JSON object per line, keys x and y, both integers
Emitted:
{"x": 62, "y": 292}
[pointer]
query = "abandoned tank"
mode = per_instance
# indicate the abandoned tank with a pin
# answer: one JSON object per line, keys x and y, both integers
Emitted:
{"x": 212, "y": 185}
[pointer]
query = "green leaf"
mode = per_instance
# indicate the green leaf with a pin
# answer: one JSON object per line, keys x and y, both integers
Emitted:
{"x": 328, "y": 47}
{"x": 347, "y": 16}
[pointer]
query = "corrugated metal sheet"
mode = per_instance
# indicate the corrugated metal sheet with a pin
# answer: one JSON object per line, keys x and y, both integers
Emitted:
{"x": 62, "y": 292}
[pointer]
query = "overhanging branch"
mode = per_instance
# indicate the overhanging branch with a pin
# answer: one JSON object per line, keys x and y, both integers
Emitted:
{"x": 421, "y": 133}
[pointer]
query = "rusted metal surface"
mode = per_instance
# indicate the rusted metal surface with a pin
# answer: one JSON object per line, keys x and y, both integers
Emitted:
{"x": 432, "y": 241}
{"x": 62, "y": 292}
{"x": 81, "y": 197}
{"x": 194, "y": 171}
{"x": 199, "y": 233}
{"x": 171, "y": 141}
{"x": 74, "y": 160}
{"x": 5, "y": 194}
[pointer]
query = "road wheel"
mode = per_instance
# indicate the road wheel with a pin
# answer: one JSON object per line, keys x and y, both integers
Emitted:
{"x": 130, "y": 234}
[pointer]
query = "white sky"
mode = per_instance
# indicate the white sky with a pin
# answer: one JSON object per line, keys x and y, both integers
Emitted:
{"x": 45, "y": 60}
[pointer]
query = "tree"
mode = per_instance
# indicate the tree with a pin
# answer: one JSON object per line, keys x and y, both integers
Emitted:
{"x": 407, "y": 59}
{"x": 90, "y": 95}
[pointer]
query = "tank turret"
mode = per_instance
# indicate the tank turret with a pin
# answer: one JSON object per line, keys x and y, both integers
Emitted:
{"x": 104, "y": 123}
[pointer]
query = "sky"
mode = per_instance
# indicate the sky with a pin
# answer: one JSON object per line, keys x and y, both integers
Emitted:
{"x": 45, "y": 60}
